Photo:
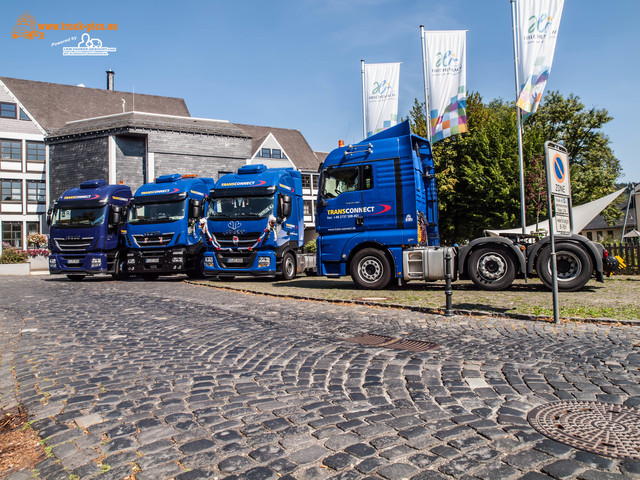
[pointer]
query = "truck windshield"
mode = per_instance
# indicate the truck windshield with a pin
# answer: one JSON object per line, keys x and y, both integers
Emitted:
{"x": 248, "y": 208}
{"x": 335, "y": 182}
{"x": 78, "y": 217}
{"x": 163, "y": 212}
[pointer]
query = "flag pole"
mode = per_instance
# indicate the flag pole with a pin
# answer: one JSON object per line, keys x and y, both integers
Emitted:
{"x": 426, "y": 85}
{"x": 364, "y": 102}
{"x": 516, "y": 52}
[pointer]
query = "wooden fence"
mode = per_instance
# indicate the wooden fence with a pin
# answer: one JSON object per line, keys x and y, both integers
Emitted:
{"x": 630, "y": 254}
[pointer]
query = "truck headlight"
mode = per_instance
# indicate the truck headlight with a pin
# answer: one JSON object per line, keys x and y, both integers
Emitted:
{"x": 208, "y": 261}
{"x": 131, "y": 261}
{"x": 96, "y": 262}
{"x": 264, "y": 261}
{"x": 52, "y": 262}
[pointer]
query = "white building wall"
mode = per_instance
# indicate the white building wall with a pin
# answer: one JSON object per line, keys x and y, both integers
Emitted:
{"x": 21, "y": 170}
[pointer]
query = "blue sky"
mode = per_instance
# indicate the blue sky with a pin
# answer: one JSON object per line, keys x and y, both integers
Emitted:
{"x": 296, "y": 64}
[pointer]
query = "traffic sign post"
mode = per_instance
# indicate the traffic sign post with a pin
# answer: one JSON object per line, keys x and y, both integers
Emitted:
{"x": 558, "y": 185}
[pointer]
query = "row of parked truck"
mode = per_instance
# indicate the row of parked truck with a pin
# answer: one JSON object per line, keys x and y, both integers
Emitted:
{"x": 376, "y": 220}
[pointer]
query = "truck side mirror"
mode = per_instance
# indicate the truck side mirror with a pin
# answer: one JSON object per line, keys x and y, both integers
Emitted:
{"x": 284, "y": 206}
{"x": 49, "y": 216}
{"x": 116, "y": 216}
{"x": 195, "y": 209}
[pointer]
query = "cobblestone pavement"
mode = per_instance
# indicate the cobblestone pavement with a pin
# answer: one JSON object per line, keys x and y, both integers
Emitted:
{"x": 170, "y": 380}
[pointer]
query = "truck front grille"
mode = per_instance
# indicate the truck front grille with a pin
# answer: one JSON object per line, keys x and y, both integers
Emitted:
{"x": 243, "y": 241}
{"x": 153, "y": 240}
{"x": 73, "y": 245}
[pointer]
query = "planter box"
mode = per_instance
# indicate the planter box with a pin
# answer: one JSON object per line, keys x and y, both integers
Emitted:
{"x": 15, "y": 269}
{"x": 39, "y": 264}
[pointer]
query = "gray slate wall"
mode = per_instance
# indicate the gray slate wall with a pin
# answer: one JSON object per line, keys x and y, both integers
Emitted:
{"x": 73, "y": 162}
{"x": 131, "y": 160}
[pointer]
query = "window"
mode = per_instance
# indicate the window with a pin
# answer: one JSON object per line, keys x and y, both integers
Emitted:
{"x": 590, "y": 235}
{"x": 36, "y": 192}
{"x": 306, "y": 181}
{"x": 307, "y": 208}
{"x": 23, "y": 116}
{"x": 33, "y": 227}
{"x": 276, "y": 153}
{"x": 8, "y": 110}
{"x": 35, "y": 151}
{"x": 12, "y": 233}
{"x": 340, "y": 180}
{"x": 220, "y": 174}
{"x": 11, "y": 149}
{"x": 265, "y": 153}
{"x": 11, "y": 190}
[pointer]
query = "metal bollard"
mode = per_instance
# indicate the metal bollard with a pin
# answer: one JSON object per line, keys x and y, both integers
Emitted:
{"x": 448, "y": 289}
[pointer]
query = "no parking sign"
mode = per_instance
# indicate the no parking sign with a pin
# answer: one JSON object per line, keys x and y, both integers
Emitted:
{"x": 559, "y": 185}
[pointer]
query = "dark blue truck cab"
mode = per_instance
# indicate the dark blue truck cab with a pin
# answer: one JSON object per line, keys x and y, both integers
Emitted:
{"x": 377, "y": 220}
{"x": 255, "y": 224}
{"x": 85, "y": 235}
{"x": 163, "y": 232}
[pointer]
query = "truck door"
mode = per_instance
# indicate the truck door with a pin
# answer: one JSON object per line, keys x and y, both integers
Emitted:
{"x": 340, "y": 206}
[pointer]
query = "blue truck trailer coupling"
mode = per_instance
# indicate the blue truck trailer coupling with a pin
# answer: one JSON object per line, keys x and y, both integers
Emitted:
{"x": 377, "y": 220}
{"x": 85, "y": 236}
{"x": 163, "y": 232}
{"x": 255, "y": 224}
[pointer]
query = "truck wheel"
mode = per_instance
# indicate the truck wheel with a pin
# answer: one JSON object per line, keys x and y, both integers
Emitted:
{"x": 149, "y": 277}
{"x": 288, "y": 268}
{"x": 198, "y": 272}
{"x": 574, "y": 267}
{"x": 120, "y": 271}
{"x": 76, "y": 278}
{"x": 491, "y": 269}
{"x": 370, "y": 269}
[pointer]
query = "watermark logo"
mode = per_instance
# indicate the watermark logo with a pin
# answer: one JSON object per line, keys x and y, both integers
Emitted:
{"x": 26, "y": 27}
{"x": 88, "y": 47}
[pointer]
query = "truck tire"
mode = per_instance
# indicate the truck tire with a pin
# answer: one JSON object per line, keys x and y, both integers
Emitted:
{"x": 370, "y": 269}
{"x": 149, "y": 277}
{"x": 491, "y": 268}
{"x": 120, "y": 271}
{"x": 76, "y": 278}
{"x": 198, "y": 272}
{"x": 574, "y": 267}
{"x": 288, "y": 267}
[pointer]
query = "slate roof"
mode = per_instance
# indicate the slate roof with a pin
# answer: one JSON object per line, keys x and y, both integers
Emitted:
{"x": 292, "y": 142}
{"x": 53, "y": 104}
{"x": 148, "y": 121}
{"x": 599, "y": 223}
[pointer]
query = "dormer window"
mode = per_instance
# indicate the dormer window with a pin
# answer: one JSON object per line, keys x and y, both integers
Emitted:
{"x": 8, "y": 110}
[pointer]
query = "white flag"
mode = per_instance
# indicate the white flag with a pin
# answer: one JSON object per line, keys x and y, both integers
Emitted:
{"x": 447, "y": 73}
{"x": 381, "y": 83}
{"x": 538, "y": 23}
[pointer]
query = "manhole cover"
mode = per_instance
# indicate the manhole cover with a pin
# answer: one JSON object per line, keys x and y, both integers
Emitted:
{"x": 601, "y": 428}
{"x": 373, "y": 340}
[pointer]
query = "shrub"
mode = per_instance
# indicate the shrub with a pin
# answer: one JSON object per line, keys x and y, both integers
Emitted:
{"x": 12, "y": 255}
{"x": 310, "y": 247}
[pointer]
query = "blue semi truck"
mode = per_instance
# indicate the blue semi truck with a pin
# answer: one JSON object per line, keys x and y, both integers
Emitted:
{"x": 255, "y": 224}
{"x": 163, "y": 232}
{"x": 85, "y": 235}
{"x": 377, "y": 220}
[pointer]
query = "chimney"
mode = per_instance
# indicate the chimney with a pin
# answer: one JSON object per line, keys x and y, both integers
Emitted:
{"x": 110, "y": 77}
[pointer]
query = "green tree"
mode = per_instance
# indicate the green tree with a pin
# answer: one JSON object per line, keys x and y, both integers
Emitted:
{"x": 478, "y": 172}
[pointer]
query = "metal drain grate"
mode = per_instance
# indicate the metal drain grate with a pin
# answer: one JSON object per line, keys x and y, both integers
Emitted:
{"x": 601, "y": 428}
{"x": 373, "y": 340}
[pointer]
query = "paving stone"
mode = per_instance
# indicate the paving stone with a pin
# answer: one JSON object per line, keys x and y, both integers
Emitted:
{"x": 235, "y": 463}
{"x": 196, "y": 446}
{"x": 339, "y": 461}
{"x": 360, "y": 450}
{"x": 526, "y": 458}
{"x": 429, "y": 475}
{"x": 309, "y": 454}
{"x": 397, "y": 471}
{"x": 593, "y": 460}
{"x": 562, "y": 469}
